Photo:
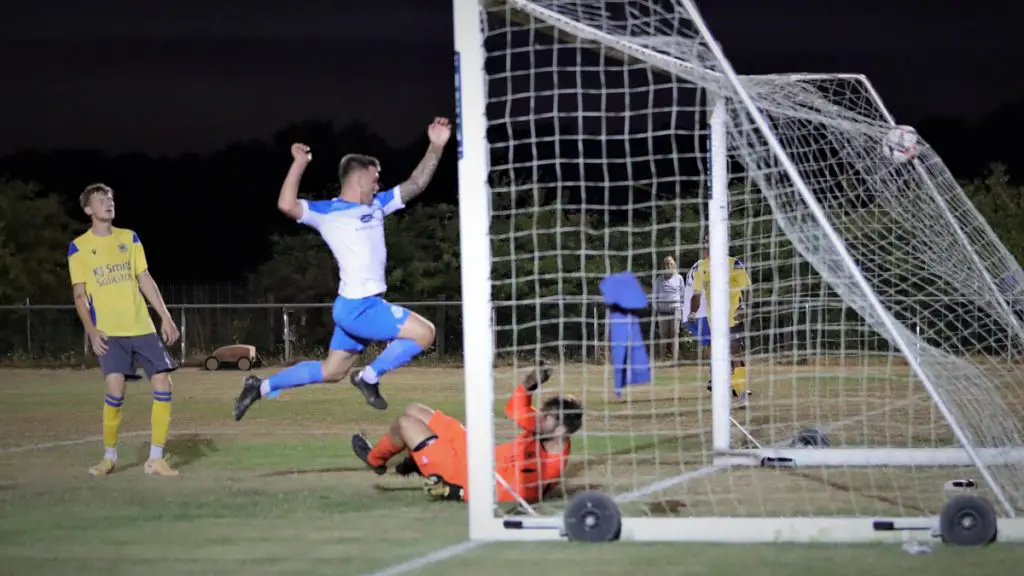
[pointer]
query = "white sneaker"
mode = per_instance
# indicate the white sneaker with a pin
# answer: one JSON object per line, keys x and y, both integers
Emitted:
{"x": 744, "y": 400}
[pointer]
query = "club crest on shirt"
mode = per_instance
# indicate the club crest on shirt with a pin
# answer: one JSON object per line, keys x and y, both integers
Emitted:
{"x": 396, "y": 311}
{"x": 122, "y": 248}
{"x": 366, "y": 218}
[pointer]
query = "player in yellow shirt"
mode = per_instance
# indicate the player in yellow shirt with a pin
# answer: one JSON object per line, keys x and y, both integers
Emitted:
{"x": 739, "y": 287}
{"x": 110, "y": 277}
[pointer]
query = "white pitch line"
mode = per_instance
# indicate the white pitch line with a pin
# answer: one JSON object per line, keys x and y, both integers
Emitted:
{"x": 46, "y": 445}
{"x": 403, "y": 568}
{"x": 174, "y": 434}
{"x": 451, "y": 552}
{"x": 433, "y": 558}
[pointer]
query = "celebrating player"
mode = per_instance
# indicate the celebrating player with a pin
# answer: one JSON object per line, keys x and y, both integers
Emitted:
{"x": 436, "y": 442}
{"x": 352, "y": 225}
{"x": 739, "y": 284}
{"x": 110, "y": 277}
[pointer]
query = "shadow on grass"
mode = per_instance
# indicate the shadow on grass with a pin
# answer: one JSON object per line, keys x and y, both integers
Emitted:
{"x": 665, "y": 507}
{"x": 301, "y": 471}
{"x": 182, "y": 450}
{"x": 865, "y": 492}
{"x": 576, "y": 467}
{"x": 410, "y": 488}
{"x": 672, "y": 507}
{"x": 568, "y": 491}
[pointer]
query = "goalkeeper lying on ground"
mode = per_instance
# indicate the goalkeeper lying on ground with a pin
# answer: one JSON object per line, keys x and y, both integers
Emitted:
{"x": 530, "y": 464}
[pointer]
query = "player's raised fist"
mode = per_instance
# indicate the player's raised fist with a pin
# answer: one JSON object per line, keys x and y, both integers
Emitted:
{"x": 540, "y": 375}
{"x": 439, "y": 131}
{"x": 301, "y": 153}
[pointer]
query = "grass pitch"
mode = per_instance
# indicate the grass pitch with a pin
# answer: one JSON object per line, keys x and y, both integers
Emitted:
{"x": 280, "y": 492}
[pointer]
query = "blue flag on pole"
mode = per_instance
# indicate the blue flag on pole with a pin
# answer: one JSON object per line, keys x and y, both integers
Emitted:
{"x": 624, "y": 298}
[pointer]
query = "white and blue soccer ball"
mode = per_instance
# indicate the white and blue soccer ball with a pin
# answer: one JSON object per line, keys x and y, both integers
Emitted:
{"x": 900, "y": 144}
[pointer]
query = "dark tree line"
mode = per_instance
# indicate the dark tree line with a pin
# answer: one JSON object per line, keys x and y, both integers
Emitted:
{"x": 213, "y": 218}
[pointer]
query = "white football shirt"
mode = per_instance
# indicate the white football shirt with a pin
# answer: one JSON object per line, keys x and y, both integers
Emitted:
{"x": 355, "y": 234}
{"x": 702, "y": 312}
{"x": 667, "y": 293}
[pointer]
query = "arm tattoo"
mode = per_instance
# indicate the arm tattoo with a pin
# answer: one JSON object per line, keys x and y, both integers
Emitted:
{"x": 421, "y": 176}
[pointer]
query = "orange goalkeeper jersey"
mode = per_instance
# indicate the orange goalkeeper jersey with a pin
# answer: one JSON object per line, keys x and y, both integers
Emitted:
{"x": 523, "y": 462}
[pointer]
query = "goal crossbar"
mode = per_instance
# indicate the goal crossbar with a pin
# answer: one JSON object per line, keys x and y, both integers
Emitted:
{"x": 480, "y": 349}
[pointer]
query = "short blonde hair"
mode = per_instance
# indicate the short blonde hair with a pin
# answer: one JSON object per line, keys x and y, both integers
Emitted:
{"x": 92, "y": 190}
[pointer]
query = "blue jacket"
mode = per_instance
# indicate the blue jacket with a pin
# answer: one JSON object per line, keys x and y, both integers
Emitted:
{"x": 625, "y": 298}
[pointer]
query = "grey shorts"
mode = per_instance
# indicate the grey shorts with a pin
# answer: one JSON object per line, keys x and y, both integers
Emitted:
{"x": 126, "y": 354}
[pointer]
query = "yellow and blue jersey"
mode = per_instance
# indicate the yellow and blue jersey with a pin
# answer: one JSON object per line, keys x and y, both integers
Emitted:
{"x": 109, "y": 266}
{"x": 739, "y": 281}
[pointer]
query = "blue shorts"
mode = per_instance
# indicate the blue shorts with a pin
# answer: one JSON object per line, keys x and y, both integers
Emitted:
{"x": 126, "y": 354}
{"x": 360, "y": 321}
{"x": 701, "y": 330}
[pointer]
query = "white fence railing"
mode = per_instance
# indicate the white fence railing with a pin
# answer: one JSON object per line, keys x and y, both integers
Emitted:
{"x": 577, "y": 326}
{"x": 279, "y": 330}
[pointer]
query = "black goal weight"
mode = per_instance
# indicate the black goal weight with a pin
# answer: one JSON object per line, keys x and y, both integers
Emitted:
{"x": 592, "y": 517}
{"x": 777, "y": 462}
{"x": 968, "y": 520}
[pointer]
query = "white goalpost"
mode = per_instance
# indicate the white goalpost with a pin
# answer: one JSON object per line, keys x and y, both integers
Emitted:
{"x": 879, "y": 339}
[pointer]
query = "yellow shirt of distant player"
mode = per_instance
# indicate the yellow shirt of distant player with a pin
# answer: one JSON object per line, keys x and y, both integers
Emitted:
{"x": 109, "y": 266}
{"x": 739, "y": 280}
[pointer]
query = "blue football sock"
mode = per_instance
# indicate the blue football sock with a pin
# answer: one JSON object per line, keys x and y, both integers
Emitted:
{"x": 308, "y": 372}
{"x": 396, "y": 355}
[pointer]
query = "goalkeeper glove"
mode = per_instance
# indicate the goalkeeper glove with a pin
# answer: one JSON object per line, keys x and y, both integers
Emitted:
{"x": 440, "y": 489}
{"x": 537, "y": 377}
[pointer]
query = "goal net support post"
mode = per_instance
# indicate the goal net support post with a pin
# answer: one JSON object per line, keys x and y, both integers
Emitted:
{"x": 718, "y": 256}
{"x": 721, "y": 359}
{"x": 788, "y": 176}
{"x": 475, "y": 254}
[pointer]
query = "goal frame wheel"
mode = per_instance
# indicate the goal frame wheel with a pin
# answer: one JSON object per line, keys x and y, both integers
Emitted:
{"x": 211, "y": 363}
{"x": 775, "y": 177}
{"x": 244, "y": 364}
{"x": 968, "y": 520}
{"x": 592, "y": 517}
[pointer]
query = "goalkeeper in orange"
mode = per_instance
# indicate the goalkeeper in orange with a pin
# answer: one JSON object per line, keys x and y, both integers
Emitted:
{"x": 436, "y": 442}
{"x": 739, "y": 289}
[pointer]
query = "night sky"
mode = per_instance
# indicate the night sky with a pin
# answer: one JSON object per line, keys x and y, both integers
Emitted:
{"x": 171, "y": 77}
{"x": 188, "y": 81}
{"x": 191, "y": 76}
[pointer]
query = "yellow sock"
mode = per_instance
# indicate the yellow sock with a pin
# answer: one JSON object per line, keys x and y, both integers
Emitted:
{"x": 739, "y": 380}
{"x": 111, "y": 423}
{"x": 160, "y": 421}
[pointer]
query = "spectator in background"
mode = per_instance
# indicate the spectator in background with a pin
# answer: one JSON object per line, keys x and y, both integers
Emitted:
{"x": 667, "y": 297}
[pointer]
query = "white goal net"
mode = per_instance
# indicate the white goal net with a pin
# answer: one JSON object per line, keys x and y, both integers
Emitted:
{"x": 880, "y": 313}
